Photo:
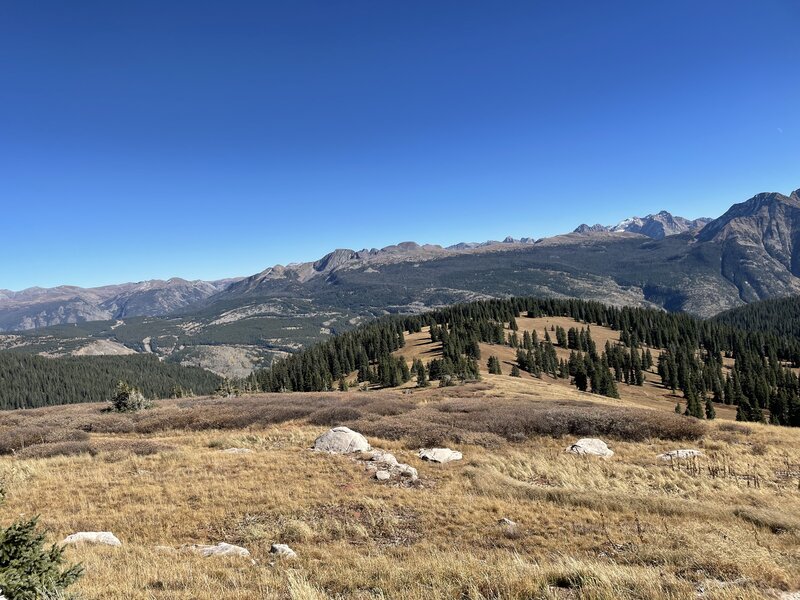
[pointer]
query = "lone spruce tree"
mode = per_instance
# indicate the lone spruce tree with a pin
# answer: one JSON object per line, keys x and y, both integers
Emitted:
{"x": 28, "y": 570}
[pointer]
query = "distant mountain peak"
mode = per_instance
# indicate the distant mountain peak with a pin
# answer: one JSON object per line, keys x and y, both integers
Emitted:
{"x": 656, "y": 226}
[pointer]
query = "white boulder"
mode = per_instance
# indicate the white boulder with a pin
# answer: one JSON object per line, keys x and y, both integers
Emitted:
{"x": 440, "y": 455}
{"x": 92, "y": 537}
{"x": 341, "y": 440}
{"x": 221, "y": 549}
{"x": 591, "y": 446}
{"x": 679, "y": 454}
{"x": 383, "y": 475}
{"x": 283, "y": 551}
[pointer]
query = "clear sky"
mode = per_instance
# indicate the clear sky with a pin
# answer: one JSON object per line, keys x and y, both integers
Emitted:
{"x": 209, "y": 139}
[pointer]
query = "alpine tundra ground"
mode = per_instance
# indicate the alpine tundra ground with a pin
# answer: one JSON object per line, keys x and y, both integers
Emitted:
{"x": 725, "y": 525}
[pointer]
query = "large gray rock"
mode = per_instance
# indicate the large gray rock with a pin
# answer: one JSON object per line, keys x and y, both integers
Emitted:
{"x": 221, "y": 549}
{"x": 679, "y": 454}
{"x": 591, "y": 446}
{"x": 92, "y": 537}
{"x": 440, "y": 455}
{"x": 341, "y": 440}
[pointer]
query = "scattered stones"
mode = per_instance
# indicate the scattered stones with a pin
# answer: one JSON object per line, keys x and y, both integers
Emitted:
{"x": 679, "y": 454}
{"x": 591, "y": 446}
{"x": 341, "y": 440}
{"x": 440, "y": 455}
{"x": 221, "y": 549}
{"x": 384, "y": 463}
{"x": 237, "y": 451}
{"x": 92, "y": 537}
{"x": 282, "y": 551}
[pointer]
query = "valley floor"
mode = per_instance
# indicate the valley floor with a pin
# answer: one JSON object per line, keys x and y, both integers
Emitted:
{"x": 725, "y": 525}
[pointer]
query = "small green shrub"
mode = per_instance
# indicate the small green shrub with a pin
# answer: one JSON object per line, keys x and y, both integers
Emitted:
{"x": 128, "y": 399}
{"x": 28, "y": 570}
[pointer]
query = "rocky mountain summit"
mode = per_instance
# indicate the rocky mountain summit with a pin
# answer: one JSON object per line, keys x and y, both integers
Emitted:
{"x": 657, "y": 226}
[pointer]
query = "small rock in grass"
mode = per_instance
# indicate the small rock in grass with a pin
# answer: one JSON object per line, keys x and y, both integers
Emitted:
{"x": 679, "y": 454}
{"x": 92, "y": 537}
{"x": 591, "y": 446}
{"x": 221, "y": 549}
{"x": 383, "y": 475}
{"x": 440, "y": 455}
{"x": 283, "y": 551}
{"x": 381, "y": 456}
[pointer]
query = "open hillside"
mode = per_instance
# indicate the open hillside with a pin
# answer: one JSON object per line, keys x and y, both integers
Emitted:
{"x": 650, "y": 355}
{"x": 683, "y": 505}
{"x": 651, "y": 394}
{"x": 516, "y": 518}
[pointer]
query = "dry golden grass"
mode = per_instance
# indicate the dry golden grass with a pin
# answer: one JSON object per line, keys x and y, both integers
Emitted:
{"x": 627, "y": 527}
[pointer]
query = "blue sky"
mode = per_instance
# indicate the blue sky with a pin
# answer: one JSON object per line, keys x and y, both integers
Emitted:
{"x": 210, "y": 139}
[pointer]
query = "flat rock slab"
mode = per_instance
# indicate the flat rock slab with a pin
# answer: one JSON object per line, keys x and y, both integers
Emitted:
{"x": 92, "y": 537}
{"x": 283, "y": 551}
{"x": 591, "y": 446}
{"x": 440, "y": 455}
{"x": 679, "y": 454}
{"x": 341, "y": 440}
{"x": 221, "y": 549}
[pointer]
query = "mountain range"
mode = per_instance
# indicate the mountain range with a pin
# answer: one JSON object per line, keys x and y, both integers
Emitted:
{"x": 657, "y": 226}
{"x": 698, "y": 266}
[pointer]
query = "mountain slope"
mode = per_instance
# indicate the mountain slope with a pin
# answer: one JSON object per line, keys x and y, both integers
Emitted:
{"x": 40, "y": 307}
{"x": 760, "y": 249}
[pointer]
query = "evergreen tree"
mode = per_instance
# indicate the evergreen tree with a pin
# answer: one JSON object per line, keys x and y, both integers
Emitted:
{"x": 494, "y": 366}
{"x": 711, "y": 413}
{"x": 28, "y": 570}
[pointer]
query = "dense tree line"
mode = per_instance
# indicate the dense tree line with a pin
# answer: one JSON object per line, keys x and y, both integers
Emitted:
{"x": 365, "y": 350}
{"x": 780, "y": 316}
{"x": 31, "y": 381}
{"x": 760, "y": 384}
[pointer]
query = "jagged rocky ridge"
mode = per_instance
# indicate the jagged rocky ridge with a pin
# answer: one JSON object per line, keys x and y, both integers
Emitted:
{"x": 657, "y": 226}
